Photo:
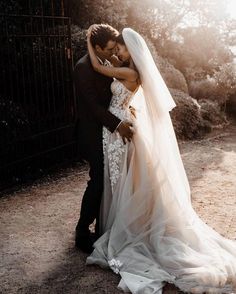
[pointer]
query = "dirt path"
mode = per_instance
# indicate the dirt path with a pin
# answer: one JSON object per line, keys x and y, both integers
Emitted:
{"x": 37, "y": 223}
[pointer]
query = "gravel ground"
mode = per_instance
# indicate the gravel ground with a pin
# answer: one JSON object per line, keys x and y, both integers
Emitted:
{"x": 37, "y": 222}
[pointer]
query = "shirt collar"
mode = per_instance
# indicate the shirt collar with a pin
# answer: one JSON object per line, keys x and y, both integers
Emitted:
{"x": 99, "y": 59}
{"x": 106, "y": 62}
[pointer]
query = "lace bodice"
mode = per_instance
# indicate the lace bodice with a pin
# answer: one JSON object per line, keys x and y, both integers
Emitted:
{"x": 121, "y": 99}
{"x": 113, "y": 144}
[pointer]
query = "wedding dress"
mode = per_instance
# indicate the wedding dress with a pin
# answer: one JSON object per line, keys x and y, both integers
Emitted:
{"x": 151, "y": 233}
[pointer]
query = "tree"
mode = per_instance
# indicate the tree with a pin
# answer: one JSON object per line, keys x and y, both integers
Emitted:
{"x": 201, "y": 50}
{"x": 226, "y": 81}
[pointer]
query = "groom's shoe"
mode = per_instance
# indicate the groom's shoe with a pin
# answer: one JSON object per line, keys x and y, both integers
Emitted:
{"x": 84, "y": 241}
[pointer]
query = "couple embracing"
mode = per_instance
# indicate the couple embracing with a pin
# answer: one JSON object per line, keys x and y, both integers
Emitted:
{"x": 146, "y": 229}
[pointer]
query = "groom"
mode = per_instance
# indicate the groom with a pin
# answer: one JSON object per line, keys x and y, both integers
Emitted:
{"x": 93, "y": 95}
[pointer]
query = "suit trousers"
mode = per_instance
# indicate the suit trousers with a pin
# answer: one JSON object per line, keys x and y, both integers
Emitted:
{"x": 91, "y": 149}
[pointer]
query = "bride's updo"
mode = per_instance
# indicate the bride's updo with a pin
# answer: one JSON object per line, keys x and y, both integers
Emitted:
{"x": 120, "y": 39}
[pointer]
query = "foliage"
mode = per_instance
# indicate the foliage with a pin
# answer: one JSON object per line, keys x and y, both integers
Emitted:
{"x": 86, "y": 12}
{"x": 226, "y": 80}
{"x": 186, "y": 117}
{"x": 220, "y": 87}
{"x": 206, "y": 88}
{"x": 211, "y": 112}
{"x": 172, "y": 76}
{"x": 78, "y": 39}
{"x": 14, "y": 124}
{"x": 193, "y": 119}
{"x": 196, "y": 56}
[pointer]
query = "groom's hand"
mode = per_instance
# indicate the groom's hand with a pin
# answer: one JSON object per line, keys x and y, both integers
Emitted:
{"x": 125, "y": 129}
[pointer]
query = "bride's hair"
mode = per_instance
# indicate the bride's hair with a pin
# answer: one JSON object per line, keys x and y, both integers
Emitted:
{"x": 120, "y": 39}
{"x": 102, "y": 34}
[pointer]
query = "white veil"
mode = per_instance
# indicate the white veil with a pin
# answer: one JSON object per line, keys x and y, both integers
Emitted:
{"x": 153, "y": 102}
{"x": 158, "y": 97}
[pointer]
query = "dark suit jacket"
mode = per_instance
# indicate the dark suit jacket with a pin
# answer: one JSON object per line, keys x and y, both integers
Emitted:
{"x": 93, "y": 96}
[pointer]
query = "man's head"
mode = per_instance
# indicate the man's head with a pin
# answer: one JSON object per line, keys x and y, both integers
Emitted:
{"x": 103, "y": 39}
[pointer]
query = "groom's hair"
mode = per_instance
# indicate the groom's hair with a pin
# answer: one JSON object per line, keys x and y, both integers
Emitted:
{"x": 102, "y": 34}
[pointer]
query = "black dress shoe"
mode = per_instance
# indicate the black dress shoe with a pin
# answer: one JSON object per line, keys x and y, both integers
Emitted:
{"x": 84, "y": 242}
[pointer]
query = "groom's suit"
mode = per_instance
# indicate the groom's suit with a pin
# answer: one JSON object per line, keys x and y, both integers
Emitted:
{"x": 93, "y": 96}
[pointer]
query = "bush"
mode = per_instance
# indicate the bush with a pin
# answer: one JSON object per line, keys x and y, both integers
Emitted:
{"x": 186, "y": 117}
{"x": 210, "y": 111}
{"x": 226, "y": 81}
{"x": 206, "y": 89}
{"x": 219, "y": 88}
{"x": 172, "y": 76}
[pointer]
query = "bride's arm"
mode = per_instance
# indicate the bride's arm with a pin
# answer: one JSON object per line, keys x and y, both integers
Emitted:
{"x": 124, "y": 73}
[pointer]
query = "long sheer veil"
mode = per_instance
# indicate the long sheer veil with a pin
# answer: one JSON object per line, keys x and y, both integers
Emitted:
{"x": 153, "y": 102}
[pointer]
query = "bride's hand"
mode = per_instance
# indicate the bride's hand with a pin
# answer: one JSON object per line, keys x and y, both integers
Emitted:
{"x": 89, "y": 32}
{"x": 91, "y": 51}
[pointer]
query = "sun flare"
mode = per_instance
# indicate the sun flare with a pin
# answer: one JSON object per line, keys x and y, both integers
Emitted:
{"x": 231, "y": 8}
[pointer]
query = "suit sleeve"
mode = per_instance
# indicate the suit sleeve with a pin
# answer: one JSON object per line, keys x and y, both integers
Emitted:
{"x": 84, "y": 80}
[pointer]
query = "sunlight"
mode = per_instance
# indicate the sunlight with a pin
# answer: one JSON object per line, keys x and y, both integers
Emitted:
{"x": 223, "y": 10}
{"x": 231, "y": 8}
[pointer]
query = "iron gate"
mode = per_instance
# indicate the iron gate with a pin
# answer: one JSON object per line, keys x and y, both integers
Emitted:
{"x": 37, "y": 103}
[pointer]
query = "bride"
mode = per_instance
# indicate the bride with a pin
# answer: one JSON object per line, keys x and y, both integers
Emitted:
{"x": 150, "y": 234}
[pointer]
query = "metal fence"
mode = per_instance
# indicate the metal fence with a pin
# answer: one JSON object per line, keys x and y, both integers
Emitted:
{"x": 37, "y": 103}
